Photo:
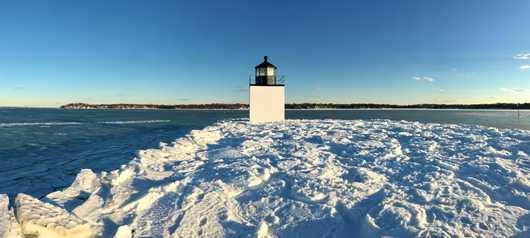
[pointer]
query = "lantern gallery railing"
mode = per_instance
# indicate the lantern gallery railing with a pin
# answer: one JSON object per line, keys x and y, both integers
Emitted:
{"x": 277, "y": 82}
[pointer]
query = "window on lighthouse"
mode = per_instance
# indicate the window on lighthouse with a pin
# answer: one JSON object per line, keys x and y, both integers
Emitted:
{"x": 270, "y": 71}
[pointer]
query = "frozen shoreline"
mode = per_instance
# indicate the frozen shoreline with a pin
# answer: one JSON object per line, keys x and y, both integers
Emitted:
{"x": 309, "y": 178}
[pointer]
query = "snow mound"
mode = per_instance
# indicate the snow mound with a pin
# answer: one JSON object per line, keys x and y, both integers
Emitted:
{"x": 9, "y": 227}
{"x": 303, "y": 178}
{"x": 41, "y": 219}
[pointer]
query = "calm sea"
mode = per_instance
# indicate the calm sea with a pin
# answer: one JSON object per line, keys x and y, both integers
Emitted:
{"x": 42, "y": 150}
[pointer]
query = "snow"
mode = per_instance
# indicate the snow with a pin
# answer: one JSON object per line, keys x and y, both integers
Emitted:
{"x": 123, "y": 232}
{"x": 9, "y": 227}
{"x": 46, "y": 220}
{"x": 301, "y": 178}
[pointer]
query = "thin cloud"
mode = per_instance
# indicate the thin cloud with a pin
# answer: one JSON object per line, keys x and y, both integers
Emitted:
{"x": 514, "y": 90}
{"x": 442, "y": 90}
{"x": 522, "y": 56}
{"x": 525, "y": 67}
{"x": 424, "y": 79}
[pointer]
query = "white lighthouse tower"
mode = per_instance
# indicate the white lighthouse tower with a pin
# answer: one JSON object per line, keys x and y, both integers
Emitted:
{"x": 267, "y": 96}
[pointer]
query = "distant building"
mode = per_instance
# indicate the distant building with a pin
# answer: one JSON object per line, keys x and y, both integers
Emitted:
{"x": 267, "y": 95}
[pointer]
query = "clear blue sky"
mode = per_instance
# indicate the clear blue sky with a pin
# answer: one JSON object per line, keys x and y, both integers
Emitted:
{"x": 170, "y": 52}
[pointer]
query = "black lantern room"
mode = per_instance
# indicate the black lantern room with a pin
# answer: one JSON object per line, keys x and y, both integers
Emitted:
{"x": 265, "y": 73}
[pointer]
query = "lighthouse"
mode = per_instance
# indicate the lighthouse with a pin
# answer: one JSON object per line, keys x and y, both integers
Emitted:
{"x": 267, "y": 95}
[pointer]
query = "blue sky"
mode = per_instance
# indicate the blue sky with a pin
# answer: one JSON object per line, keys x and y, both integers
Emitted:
{"x": 171, "y": 52}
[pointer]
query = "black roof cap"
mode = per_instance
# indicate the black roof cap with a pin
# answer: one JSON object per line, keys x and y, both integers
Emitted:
{"x": 265, "y": 63}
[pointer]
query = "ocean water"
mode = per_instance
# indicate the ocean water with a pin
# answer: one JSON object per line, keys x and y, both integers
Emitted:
{"x": 42, "y": 150}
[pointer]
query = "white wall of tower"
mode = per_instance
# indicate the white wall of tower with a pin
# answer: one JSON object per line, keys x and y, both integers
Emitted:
{"x": 267, "y": 104}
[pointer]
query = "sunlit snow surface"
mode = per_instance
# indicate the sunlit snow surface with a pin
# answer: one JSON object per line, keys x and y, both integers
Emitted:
{"x": 308, "y": 178}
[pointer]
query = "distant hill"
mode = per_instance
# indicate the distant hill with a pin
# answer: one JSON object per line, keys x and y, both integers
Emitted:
{"x": 299, "y": 106}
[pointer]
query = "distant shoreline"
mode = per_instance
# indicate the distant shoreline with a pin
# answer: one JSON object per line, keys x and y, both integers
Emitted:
{"x": 302, "y": 106}
{"x": 287, "y": 109}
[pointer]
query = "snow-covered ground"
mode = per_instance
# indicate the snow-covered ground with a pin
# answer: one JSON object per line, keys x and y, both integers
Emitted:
{"x": 308, "y": 178}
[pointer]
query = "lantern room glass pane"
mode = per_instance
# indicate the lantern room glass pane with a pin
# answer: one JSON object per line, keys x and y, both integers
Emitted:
{"x": 260, "y": 72}
{"x": 270, "y": 71}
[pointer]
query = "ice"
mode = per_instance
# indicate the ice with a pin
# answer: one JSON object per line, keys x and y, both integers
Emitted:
{"x": 123, "y": 232}
{"x": 40, "y": 219}
{"x": 4, "y": 215}
{"x": 134, "y": 122}
{"x": 300, "y": 178}
{"x": 12, "y": 124}
{"x": 9, "y": 226}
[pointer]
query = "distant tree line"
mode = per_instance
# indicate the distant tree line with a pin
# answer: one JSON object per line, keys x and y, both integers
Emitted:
{"x": 299, "y": 106}
{"x": 414, "y": 106}
{"x": 155, "y": 106}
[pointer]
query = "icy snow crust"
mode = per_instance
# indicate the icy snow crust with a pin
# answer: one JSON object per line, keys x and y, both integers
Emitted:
{"x": 308, "y": 178}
